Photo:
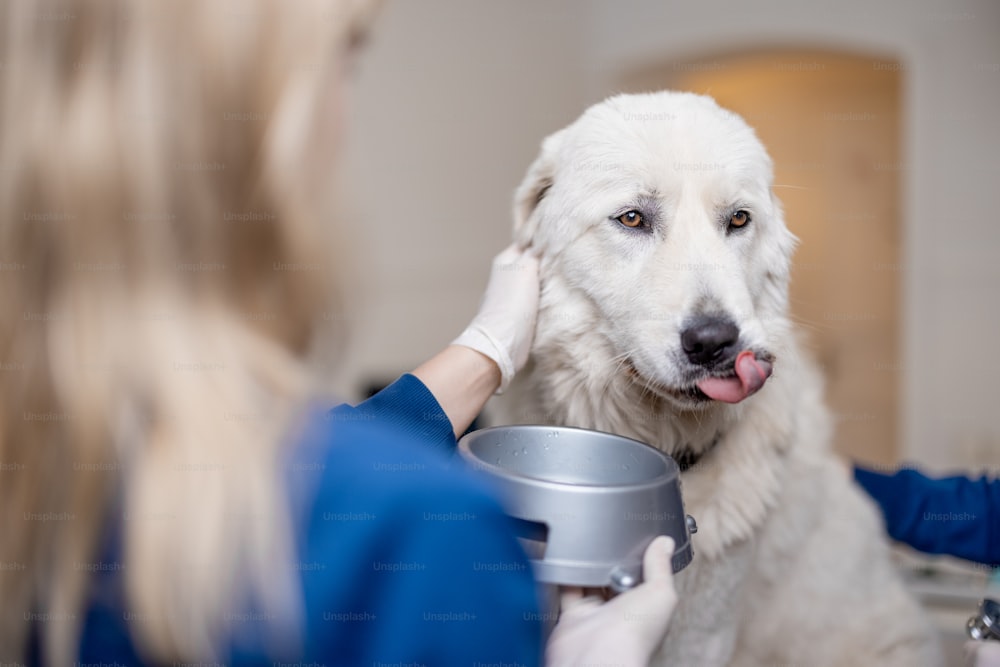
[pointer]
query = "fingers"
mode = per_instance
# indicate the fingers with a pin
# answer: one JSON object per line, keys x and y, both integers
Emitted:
{"x": 969, "y": 650}
{"x": 628, "y": 629}
{"x": 982, "y": 654}
{"x": 569, "y": 596}
{"x": 508, "y": 255}
{"x": 657, "y": 569}
{"x": 523, "y": 244}
{"x": 657, "y": 562}
{"x": 573, "y": 598}
{"x": 517, "y": 257}
{"x": 656, "y": 595}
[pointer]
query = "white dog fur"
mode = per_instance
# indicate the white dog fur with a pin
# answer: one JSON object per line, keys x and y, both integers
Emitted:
{"x": 791, "y": 565}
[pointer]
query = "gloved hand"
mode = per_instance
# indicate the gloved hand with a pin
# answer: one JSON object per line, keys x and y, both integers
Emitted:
{"x": 627, "y": 629}
{"x": 982, "y": 654}
{"x": 505, "y": 326}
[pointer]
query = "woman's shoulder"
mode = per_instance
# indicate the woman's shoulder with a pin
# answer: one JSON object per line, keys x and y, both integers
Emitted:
{"x": 357, "y": 452}
{"x": 357, "y": 475}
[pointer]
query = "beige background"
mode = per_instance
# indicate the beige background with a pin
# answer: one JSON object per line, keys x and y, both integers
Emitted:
{"x": 453, "y": 98}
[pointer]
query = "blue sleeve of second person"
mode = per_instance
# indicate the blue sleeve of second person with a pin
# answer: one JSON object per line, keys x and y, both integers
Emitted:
{"x": 957, "y": 516}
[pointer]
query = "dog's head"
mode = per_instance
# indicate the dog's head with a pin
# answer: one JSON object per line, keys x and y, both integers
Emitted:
{"x": 657, "y": 211}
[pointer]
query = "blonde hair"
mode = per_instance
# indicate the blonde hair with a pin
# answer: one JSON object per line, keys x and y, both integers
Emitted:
{"x": 165, "y": 269}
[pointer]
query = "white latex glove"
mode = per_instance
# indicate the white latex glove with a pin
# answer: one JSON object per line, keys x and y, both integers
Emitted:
{"x": 505, "y": 325}
{"x": 625, "y": 630}
{"x": 982, "y": 654}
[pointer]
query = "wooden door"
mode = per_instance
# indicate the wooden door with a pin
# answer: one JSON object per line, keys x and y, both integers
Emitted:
{"x": 831, "y": 123}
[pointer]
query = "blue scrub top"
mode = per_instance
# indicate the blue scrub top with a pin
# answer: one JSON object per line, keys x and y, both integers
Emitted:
{"x": 404, "y": 554}
{"x": 957, "y": 516}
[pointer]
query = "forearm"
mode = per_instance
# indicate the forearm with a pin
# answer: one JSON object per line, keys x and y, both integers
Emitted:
{"x": 952, "y": 515}
{"x": 461, "y": 380}
{"x": 484, "y": 358}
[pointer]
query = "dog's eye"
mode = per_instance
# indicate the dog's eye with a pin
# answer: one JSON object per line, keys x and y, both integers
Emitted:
{"x": 630, "y": 218}
{"x": 739, "y": 219}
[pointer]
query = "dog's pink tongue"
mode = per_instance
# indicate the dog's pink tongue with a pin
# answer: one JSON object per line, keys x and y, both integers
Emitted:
{"x": 751, "y": 373}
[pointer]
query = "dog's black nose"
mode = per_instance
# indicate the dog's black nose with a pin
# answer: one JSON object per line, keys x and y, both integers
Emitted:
{"x": 708, "y": 339}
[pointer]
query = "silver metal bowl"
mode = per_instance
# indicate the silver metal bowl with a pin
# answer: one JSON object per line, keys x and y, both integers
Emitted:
{"x": 586, "y": 503}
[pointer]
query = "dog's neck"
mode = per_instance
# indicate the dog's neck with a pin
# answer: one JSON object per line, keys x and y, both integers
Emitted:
{"x": 687, "y": 457}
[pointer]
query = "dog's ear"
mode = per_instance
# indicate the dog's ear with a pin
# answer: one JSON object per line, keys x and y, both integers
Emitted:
{"x": 531, "y": 192}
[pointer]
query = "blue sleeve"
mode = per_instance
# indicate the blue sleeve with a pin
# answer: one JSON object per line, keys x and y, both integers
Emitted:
{"x": 406, "y": 406}
{"x": 407, "y": 560}
{"x": 957, "y": 516}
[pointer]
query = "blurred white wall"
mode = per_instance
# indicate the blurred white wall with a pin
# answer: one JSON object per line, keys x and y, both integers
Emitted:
{"x": 451, "y": 101}
{"x": 453, "y": 98}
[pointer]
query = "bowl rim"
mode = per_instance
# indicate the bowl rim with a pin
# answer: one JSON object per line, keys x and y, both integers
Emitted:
{"x": 670, "y": 469}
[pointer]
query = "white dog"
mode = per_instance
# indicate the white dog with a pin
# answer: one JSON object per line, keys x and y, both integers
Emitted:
{"x": 664, "y": 310}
